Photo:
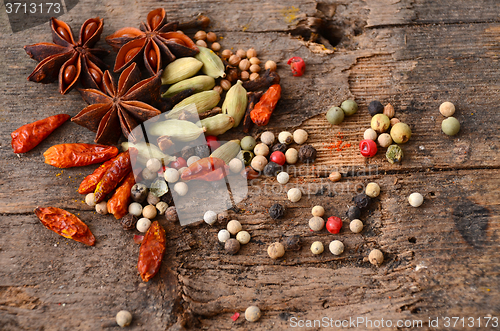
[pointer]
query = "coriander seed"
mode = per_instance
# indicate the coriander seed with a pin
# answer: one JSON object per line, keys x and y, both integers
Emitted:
{"x": 225, "y": 84}
{"x": 215, "y": 47}
{"x": 226, "y": 54}
{"x": 254, "y": 76}
{"x": 200, "y": 35}
{"x": 201, "y": 43}
{"x": 245, "y": 75}
{"x": 254, "y": 60}
{"x": 271, "y": 65}
{"x": 254, "y": 68}
{"x": 241, "y": 53}
{"x": 251, "y": 52}
{"x": 211, "y": 37}
{"x": 388, "y": 110}
{"x": 234, "y": 60}
{"x": 244, "y": 65}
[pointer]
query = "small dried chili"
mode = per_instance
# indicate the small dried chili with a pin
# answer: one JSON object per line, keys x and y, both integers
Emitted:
{"x": 261, "y": 114}
{"x": 78, "y": 155}
{"x": 113, "y": 176}
{"x": 29, "y": 135}
{"x": 118, "y": 203}
{"x": 90, "y": 182}
{"x": 151, "y": 251}
{"x": 297, "y": 65}
{"x": 208, "y": 169}
{"x": 65, "y": 224}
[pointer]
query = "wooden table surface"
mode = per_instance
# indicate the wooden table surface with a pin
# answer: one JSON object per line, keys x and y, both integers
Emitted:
{"x": 440, "y": 259}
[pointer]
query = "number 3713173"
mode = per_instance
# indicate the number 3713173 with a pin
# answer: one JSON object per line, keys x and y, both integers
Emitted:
{"x": 32, "y": 8}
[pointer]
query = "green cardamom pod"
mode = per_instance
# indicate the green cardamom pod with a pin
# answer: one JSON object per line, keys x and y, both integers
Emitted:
{"x": 203, "y": 101}
{"x": 235, "y": 104}
{"x": 180, "y": 69}
{"x": 198, "y": 83}
{"x": 146, "y": 151}
{"x": 176, "y": 129}
{"x": 218, "y": 124}
{"x": 228, "y": 151}
{"x": 212, "y": 64}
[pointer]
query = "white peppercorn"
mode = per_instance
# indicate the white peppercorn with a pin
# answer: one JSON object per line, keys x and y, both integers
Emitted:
{"x": 192, "y": 160}
{"x": 291, "y": 156}
{"x": 181, "y": 188}
{"x": 316, "y": 223}
{"x": 276, "y": 250}
{"x": 416, "y": 199}
{"x": 143, "y": 224}
{"x": 90, "y": 199}
{"x": 318, "y": 211}
{"x": 162, "y": 207}
{"x": 384, "y": 140}
{"x": 336, "y": 247}
{"x": 285, "y": 137}
{"x": 259, "y": 162}
{"x": 149, "y": 211}
{"x": 148, "y": 174}
{"x": 370, "y": 134}
{"x": 376, "y": 257}
{"x": 233, "y": 227}
{"x": 447, "y": 109}
{"x": 283, "y": 178}
{"x": 152, "y": 199}
{"x": 102, "y": 208}
{"x": 135, "y": 209}
{"x": 139, "y": 192}
{"x": 123, "y": 318}
{"x": 294, "y": 194}
{"x": 171, "y": 175}
{"x": 223, "y": 235}
{"x": 210, "y": 217}
{"x": 252, "y": 314}
{"x": 300, "y": 136}
{"x": 271, "y": 65}
{"x": 235, "y": 165}
{"x": 267, "y": 138}
{"x": 243, "y": 237}
{"x": 372, "y": 190}
{"x": 317, "y": 247}
{"x": 335, "y": 176}
{"x": 261, "y": 149}
{"x": 356, "y": 226}
{"x": 153, "y": 164}
{"x": 180, "y": 171}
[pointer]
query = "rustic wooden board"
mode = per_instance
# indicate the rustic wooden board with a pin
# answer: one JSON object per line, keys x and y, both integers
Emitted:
{"x": 441, "y": 258}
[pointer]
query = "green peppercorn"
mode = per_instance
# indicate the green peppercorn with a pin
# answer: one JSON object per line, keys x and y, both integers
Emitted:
{"x": 350, "y": 107}
{"x": 247, "y": 157}
{"x": 450, "y": 126}
{"x": 394, "y": 154}
{"x": 375, "y": 107}
{"x": 335, "y": 115}
{"x": 400, "y": 133}
{"x": 248, "y": 143}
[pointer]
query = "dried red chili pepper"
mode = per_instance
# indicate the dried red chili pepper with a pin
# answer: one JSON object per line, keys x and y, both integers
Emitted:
{"x": 261, "y": 114}
{"x": 65, "y": 224}
{"x": 151, "y": 251}
{"x": 90, "y": 182}
{"x": 208, "y": 169}
{"x": 78, "y": 155}
{"x": 114, "y": 175}
{"x": 297, "y": 65}
{"x": 118, "y": 203}
{"x": 29, "y": 135}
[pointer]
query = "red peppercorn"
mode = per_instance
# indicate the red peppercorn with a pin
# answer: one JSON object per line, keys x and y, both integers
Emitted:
{"x": 278, "y": 157}
{"x": 212, "y": 142}
{"x": 297, "y": 65}
{"x": 368, "y": 148}
{"x": 334, "y": 224}
{"x": 179, "y": 163}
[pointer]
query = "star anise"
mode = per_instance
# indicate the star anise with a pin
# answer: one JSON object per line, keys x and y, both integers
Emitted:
{"x": 155, "y": 44}
{"x": 124, "y": 105}
{"x": 69, "y": 60}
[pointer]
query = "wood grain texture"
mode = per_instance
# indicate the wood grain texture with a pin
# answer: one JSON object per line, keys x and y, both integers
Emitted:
{"x": 441, "y": 258}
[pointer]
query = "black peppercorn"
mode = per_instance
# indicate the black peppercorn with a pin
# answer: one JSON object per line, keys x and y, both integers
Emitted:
{"x": 293, "y": 243}
{"x": 276, "y": 211}
{"x": 362, "y": 200}
{"x": 171, "y": 214}
{"x": 353, "y": 213}
{"x": 129, "y": 221}
{"x": 202, "y": 151}
{"x": 187, "y": 152}
{"x": 375, "y": 107}
{"x": 307, "y": 154}
{"x": 167, "y": 198}
{"x": 272, "y": 169}
{"x": 280, "y": 148}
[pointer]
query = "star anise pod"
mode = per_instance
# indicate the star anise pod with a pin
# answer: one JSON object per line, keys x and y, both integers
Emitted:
{"x": 69, "y": 60}
{"x": 124, "y": 105}
{"x": 156, "y": 43}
